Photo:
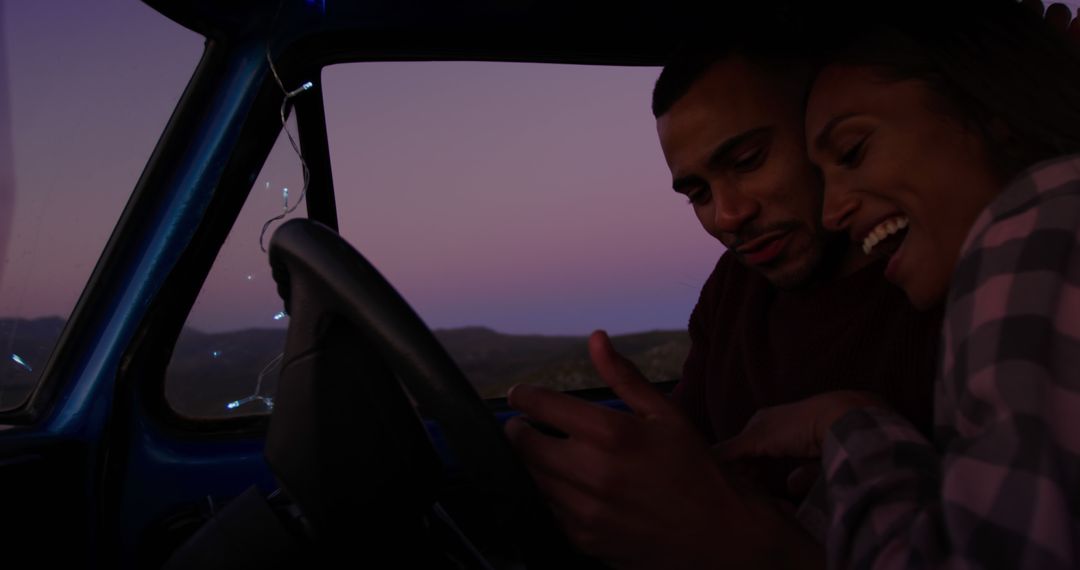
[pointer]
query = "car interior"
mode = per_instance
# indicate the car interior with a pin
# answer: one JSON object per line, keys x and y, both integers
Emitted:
{"x": 377, "y": 449}
{"x": 331, "y": 422}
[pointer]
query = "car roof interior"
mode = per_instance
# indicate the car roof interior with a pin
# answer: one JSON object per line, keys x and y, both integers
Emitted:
{"x": 553, "y": 31}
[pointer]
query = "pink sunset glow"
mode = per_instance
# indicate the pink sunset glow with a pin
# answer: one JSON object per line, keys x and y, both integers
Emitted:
{"x": 523, "y": 197}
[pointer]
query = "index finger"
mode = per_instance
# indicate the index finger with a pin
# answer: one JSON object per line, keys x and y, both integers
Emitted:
{"x": 625, "y": 379}
{"x": 572, "y": 416}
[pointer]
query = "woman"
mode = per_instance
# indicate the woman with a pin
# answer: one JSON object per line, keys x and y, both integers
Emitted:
{"x": 930, "y": 126}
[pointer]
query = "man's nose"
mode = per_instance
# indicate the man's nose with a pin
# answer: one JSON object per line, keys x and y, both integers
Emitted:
{"x": 733, "y": 210}
{"x": 838, "y": 209}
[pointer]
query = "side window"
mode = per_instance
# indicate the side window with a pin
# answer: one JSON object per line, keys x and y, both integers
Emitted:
{"x": 85, "y": 92}
{"x": 226, "y": 360}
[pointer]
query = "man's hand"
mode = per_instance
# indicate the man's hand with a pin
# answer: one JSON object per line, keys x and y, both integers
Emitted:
{"x": 642, "y": 490}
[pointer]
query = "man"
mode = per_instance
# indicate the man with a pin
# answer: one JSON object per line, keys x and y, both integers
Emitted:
{"x": 787, "y": 313}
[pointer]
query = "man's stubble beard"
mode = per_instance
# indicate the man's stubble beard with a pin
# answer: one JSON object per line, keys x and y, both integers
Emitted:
{"x": 805, "y": 265}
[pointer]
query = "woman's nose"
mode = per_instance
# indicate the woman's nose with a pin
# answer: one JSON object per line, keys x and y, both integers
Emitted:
{"x": 838, "y": 210}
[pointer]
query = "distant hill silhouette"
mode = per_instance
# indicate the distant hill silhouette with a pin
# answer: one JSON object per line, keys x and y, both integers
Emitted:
{"x": 494, "y": 361}
{"x": 209, "y": 370}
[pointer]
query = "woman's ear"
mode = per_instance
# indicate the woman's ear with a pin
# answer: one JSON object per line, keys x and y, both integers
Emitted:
{"x": 1010, "y": 157}
{"x": 1001, "y": 135}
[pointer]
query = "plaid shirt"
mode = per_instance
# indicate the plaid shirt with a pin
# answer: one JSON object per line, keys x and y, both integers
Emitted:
{"x": 1000, "y": 486}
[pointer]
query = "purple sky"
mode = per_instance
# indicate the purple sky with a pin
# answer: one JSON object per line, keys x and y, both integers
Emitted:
{"x": 7, "y": 174}
{"x": 91, "y": 85}
{"x": 527, "y": 198}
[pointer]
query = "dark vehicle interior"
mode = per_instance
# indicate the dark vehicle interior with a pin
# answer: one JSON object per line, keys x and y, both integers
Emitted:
{"x": 111, "y": 476}
{"x": 369, "y": 444}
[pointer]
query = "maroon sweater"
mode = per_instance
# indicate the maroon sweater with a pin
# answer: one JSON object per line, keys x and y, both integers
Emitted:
{"x": 753, "y": 346}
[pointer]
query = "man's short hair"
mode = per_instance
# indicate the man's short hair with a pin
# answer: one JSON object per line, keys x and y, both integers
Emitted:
{"x": 683, "y": 69}
{"x": 783, "y": 37}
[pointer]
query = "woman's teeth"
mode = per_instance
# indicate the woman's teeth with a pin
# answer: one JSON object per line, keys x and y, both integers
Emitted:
{"x": 883, "y": 231}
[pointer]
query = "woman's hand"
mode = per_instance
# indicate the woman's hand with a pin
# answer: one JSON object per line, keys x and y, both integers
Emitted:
{"x": 793, "y": 430}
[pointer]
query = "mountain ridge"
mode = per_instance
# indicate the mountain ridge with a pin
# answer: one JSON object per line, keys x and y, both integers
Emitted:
{"x": 208, "y": 370}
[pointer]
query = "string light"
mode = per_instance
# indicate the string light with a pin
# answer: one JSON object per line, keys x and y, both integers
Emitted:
{"x": 267, "y": 401}
{"x": 18, "y": 360}
{"x": 289, "y": 95}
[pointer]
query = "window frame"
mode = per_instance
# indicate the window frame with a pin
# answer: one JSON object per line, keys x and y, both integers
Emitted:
{"x": 301, "y": 53}
{"x": 249, "y": 158}
{"x": 311, "y": 133}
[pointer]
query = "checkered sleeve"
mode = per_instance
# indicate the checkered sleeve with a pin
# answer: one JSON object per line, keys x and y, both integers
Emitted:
{"x": 1000, "y": 485}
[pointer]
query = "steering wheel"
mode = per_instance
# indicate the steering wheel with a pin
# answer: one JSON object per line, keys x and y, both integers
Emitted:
{"x": 345, "y": 439}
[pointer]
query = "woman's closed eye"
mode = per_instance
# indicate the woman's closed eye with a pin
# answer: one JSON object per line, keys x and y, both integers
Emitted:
{"x": 850, "y": 157}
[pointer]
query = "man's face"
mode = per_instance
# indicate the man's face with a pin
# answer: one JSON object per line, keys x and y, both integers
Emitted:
{"x": 735, "y": 146}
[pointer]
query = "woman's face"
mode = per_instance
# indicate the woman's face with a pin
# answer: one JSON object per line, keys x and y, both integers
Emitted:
{"x": 902, "y": 177}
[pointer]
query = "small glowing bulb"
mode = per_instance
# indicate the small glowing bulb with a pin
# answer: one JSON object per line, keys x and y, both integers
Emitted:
{"x": 307, "y": 85}
{"x": 18, "y": 360}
